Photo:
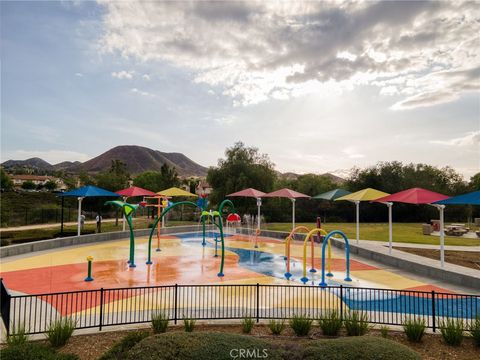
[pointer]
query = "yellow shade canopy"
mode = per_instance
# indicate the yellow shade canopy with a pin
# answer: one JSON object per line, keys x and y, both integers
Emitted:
{"x": 174, "y": 191}
{"x": 367, "y": 194}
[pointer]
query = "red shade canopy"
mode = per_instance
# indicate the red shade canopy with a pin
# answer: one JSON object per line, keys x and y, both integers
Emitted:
{"x": 233, "y": 218}
{"x": 250, "y": 192}
{"x": 135, "y": 191}
{"x": 414, "y": 196}
{"x": 286, "y": 193}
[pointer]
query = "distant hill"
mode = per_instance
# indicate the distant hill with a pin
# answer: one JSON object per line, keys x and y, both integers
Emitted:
{"x": 32, "y": 163}
{"x": 293, "y": 176}
{"x": 137, "y": 159}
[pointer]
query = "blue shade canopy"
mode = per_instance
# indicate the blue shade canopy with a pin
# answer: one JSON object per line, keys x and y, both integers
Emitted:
{"x": 332, "y": 194}
{"x": 89, "y": 191}
{"x": 472, "y": 198}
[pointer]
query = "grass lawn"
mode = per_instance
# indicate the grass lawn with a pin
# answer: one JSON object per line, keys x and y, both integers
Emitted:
{"x": 402, "y": 232}
{"x": 18, "y": 237}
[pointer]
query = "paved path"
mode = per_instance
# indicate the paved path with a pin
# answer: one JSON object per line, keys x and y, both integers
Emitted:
{"x": 51, "y": 225}
{"x": 419, "y": 246}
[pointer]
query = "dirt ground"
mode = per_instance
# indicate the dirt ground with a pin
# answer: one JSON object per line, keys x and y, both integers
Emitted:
{"x": 432, "y": 347}
{"x": 469, "y": 259}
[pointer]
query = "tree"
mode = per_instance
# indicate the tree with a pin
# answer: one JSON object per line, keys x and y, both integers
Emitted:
{"x": 474, "y": 184}
{"x": 158, "y": 180}
{"x": 243, "y": 167}
{"x": 51, "y": 185}
{"x": 6, "y": 184}
{"x": 28, "y": 185}
{"x": 85, "y": 179}
{"x": 116, "y": 178}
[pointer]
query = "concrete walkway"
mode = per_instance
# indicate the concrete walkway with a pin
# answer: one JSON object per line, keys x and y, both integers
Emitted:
{"x": 419, "y": 246}
{"x": 52, "y": 225}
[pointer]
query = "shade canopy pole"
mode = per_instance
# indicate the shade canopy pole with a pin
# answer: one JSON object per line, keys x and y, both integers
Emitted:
{"x": 441, "y": 209}
{"x": 357, "y": 208}
{"x": 390, "y": 225}
{"x": 79, "y": 215}
{"x": 259, "y": 204}
{"x": 293, "y": 214}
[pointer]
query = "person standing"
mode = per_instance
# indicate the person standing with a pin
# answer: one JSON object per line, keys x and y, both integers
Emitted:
{"x": 98, "y": 219}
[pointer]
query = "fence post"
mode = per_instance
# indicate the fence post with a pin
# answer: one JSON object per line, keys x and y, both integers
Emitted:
{"x": 5, "y": 299}
{"x": 341, "y": 302}
{"x": 433, "y": 311}
{"x": 176, "y": 304}
{"x": 258, "y": 303}
{"x": 101, "y": 309}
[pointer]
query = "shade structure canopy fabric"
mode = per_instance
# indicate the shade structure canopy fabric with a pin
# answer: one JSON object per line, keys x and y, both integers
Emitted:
{"x": 414, "y": 196}
{"x": 332, "y": 194}
{"x": 367, "y": 194}
{"x": 83, "y": 192}
{"x": 174, "y": 191}
{"x": 290, "y": 194}
{"x": 89, "y": 191}
{"x": 250, "y": 192}
{"x": 133, "y": 191}
{"x": 418, "y": 196}
{"x": 287, "y": 193}
{"x": 472, "y": 198}
{"x": 254, "y": 193}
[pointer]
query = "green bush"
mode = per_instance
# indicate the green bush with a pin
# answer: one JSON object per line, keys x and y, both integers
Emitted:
{"x": 18, "y": 336}
{"x": 331, "y": 324}
{"x": 276, "y": 326}
{"x": 414, "y": 329}
{"x": 118, "y": 351}
{"x": 247, "y": 324}
{"x": 474, "y": 329}
{"x": 301, "y": 325}
{"x": 200, "y": 346}
{"x": 384, "y": 330}
{"x": 33, "y": 351}
{"x": 364, "y": 348}
{"x": 452, "y": 331}
{"x": 60, "y": 331}
{"x": 356, "y": 323}
{"x": 189, "y": 324}
{"x": 159, "y": 322}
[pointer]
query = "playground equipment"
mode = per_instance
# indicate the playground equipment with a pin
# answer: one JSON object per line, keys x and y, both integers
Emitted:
{"x": 217, "y": 221}
{"x": 160, "y": 203}
{"x": 288, "y": 241}
{"x": 89, "y": 269}
{"x": 347, "y": 255}
{"x": 128, "y": 211}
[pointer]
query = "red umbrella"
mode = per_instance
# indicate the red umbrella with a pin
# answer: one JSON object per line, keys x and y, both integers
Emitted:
{"x": 419, "y": 196}
{"x": 290, "y": 194}
{"x": 250, "y": 192}
{"x": 135, "y": 191}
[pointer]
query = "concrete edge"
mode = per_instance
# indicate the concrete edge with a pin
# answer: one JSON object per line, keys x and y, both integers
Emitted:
{"x": 42, "y": 245}
{"x": 419, "y": 265}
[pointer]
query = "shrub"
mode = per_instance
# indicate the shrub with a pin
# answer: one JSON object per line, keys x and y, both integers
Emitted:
{"x": 33, "y": 351}
{"x": 276, "y": 326}
{"x": 247, "y": 324}
{"x": 301, "y": 325}
{"x": 414, "y": 329}
{"x": 452, "y": 331}
{"x": 474, "y": 329}
{"x": 159, "y": 322}
{"x": 189, "y": 324}
{"x": 356, "y": 323}
{"x": 18, "y": 336}
{"x": 331, "y": 324}
{"x": 201, "y": 346}
{"x": 354, "y": 348}
{"x": 118, "y": 351}
{"x": 60, "y": 331}
{"x": 384, "y": 331}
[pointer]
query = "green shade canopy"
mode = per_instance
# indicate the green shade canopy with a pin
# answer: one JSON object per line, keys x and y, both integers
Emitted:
{"x": 332, "y": 194}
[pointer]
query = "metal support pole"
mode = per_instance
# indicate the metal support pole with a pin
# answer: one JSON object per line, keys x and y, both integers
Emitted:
{"x": 357, "y": 208}
{"x": 293, "y": 214}
{"x": 441, "y": 208}
{"x": 79, "y": 214}
{"x": 259, "y": 204}
{"x": 390, "y": 232}
{"x": 61, "y": 226}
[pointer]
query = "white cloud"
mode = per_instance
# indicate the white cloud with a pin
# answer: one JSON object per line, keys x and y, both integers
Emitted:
{"x": 352, "y": 153}
{"x": 146, "y": 77}
{"x": 123, "y": 74}
{"x": 143, "y": 93}
{"x": 258, "y": 51}
{"x": 51, "y": 156}
{"x": 470, "y": 139}
{"x": 79, "y": 74}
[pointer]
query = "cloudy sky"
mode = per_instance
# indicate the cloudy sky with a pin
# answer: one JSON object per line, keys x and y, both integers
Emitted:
{"x": 319, "y": 86}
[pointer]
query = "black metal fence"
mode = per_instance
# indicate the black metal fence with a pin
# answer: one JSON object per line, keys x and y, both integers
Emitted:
{"x": 107, "y": 307}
